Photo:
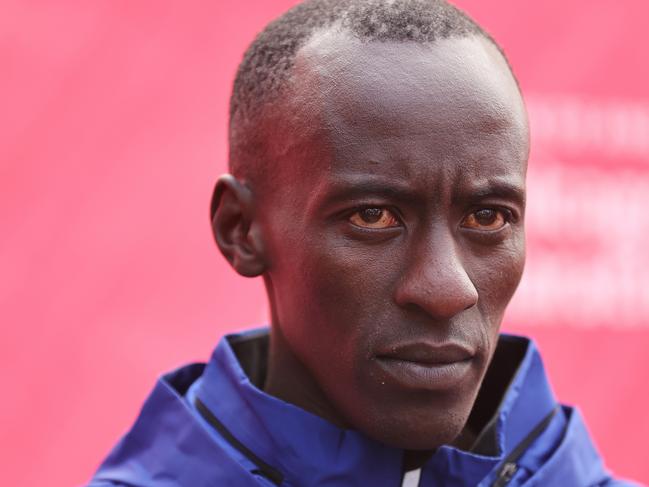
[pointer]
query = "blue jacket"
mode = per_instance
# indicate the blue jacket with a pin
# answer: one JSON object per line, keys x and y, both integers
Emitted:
{"x": 208, "y": 425}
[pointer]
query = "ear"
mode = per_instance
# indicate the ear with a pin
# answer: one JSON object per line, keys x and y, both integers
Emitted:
{"x": 235, "y": 230}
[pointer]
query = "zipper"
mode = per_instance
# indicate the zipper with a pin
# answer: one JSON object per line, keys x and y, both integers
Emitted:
{"x": 506, "y": 474}
{"x": 509, "y": 467}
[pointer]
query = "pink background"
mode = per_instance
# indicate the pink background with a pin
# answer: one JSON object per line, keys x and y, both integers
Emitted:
{"x": 113, "y": 132}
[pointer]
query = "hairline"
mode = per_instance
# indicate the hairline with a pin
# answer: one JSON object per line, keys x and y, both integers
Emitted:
{"x": 282, "y": 93}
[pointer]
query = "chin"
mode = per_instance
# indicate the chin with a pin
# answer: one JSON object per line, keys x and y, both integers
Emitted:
{"x": 427, "y": 436}
{"x": 437, "y": 423}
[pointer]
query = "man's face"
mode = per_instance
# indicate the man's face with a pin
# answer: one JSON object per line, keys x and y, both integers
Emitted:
{"x": 394, "y": 235}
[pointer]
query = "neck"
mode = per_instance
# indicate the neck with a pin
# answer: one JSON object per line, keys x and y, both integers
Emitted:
{"x": 414, "y": 459}
{"x": 289, "y": 380}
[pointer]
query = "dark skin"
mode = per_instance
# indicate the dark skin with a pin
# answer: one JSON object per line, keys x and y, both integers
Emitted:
{"x": 397, "y": 239}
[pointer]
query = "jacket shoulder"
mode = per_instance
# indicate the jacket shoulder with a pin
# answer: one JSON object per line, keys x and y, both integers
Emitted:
{"x": 576, "y": 462}
{"x": 168, "y": 447}
{"x": 105, "y": 483}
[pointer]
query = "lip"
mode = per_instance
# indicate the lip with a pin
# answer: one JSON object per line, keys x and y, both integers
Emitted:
{"x": 426, "y": 366}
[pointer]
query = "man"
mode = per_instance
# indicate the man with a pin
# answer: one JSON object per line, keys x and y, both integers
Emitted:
{"x": 378, "y": 152}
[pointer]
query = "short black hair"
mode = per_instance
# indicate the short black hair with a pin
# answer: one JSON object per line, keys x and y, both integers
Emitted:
{"x": 267, "y": 63}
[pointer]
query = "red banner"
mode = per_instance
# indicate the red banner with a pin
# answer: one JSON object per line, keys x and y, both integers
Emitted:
{"x": 114, "y": 130}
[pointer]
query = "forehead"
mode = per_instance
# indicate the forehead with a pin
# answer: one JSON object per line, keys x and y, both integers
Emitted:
{"x": 403, "y": 108}
{"x": 355, "y": 71}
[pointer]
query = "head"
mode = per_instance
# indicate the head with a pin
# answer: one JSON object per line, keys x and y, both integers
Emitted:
{"x": 378, "y": 159}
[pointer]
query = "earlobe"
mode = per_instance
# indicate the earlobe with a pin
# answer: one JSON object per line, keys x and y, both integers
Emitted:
{"x": 235, "y": 229}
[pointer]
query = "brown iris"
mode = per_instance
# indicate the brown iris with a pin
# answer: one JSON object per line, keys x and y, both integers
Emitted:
{"x": 374, "y": 218}
{"x": 485, "y": 219}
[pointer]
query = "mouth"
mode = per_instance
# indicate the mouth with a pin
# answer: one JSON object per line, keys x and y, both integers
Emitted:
{"x": 425, "y": 366}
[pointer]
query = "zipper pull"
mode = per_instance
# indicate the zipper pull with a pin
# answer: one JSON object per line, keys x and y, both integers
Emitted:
{"x": 505, "y": 475}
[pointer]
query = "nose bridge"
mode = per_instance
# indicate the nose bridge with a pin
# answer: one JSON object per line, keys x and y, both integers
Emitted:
{"x": 436, "y": 279}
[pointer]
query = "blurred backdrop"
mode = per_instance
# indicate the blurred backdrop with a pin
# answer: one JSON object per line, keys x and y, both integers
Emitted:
{"x": 113, "y": 131}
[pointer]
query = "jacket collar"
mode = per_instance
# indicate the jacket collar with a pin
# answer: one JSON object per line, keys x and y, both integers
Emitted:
{"x": 302, "y": 445}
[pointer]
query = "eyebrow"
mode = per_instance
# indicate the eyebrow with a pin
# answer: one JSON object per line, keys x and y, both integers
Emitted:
{"x": 497, "y": 188}
{"x": 349, "y": 188}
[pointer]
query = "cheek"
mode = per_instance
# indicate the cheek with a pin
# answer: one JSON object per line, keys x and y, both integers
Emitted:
{"x": 497, "y": 278}
{"x": 328, "y": 294}
{"x": 335, "y": 273}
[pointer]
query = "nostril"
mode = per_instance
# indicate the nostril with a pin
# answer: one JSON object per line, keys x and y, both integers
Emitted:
{"x": 471, "y": 305}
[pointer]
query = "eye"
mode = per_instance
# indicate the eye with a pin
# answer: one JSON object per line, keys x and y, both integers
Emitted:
{"x": 377, "y": 218}
{"x": 486, "y": 219}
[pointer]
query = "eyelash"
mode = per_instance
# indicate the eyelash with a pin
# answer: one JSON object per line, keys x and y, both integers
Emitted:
{"x": 391, "y": 209}
{"x": 510, "y": 215}
{"x": 492, "y": 236}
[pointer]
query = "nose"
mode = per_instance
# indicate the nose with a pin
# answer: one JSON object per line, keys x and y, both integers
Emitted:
{"x": 436, "y": 280}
